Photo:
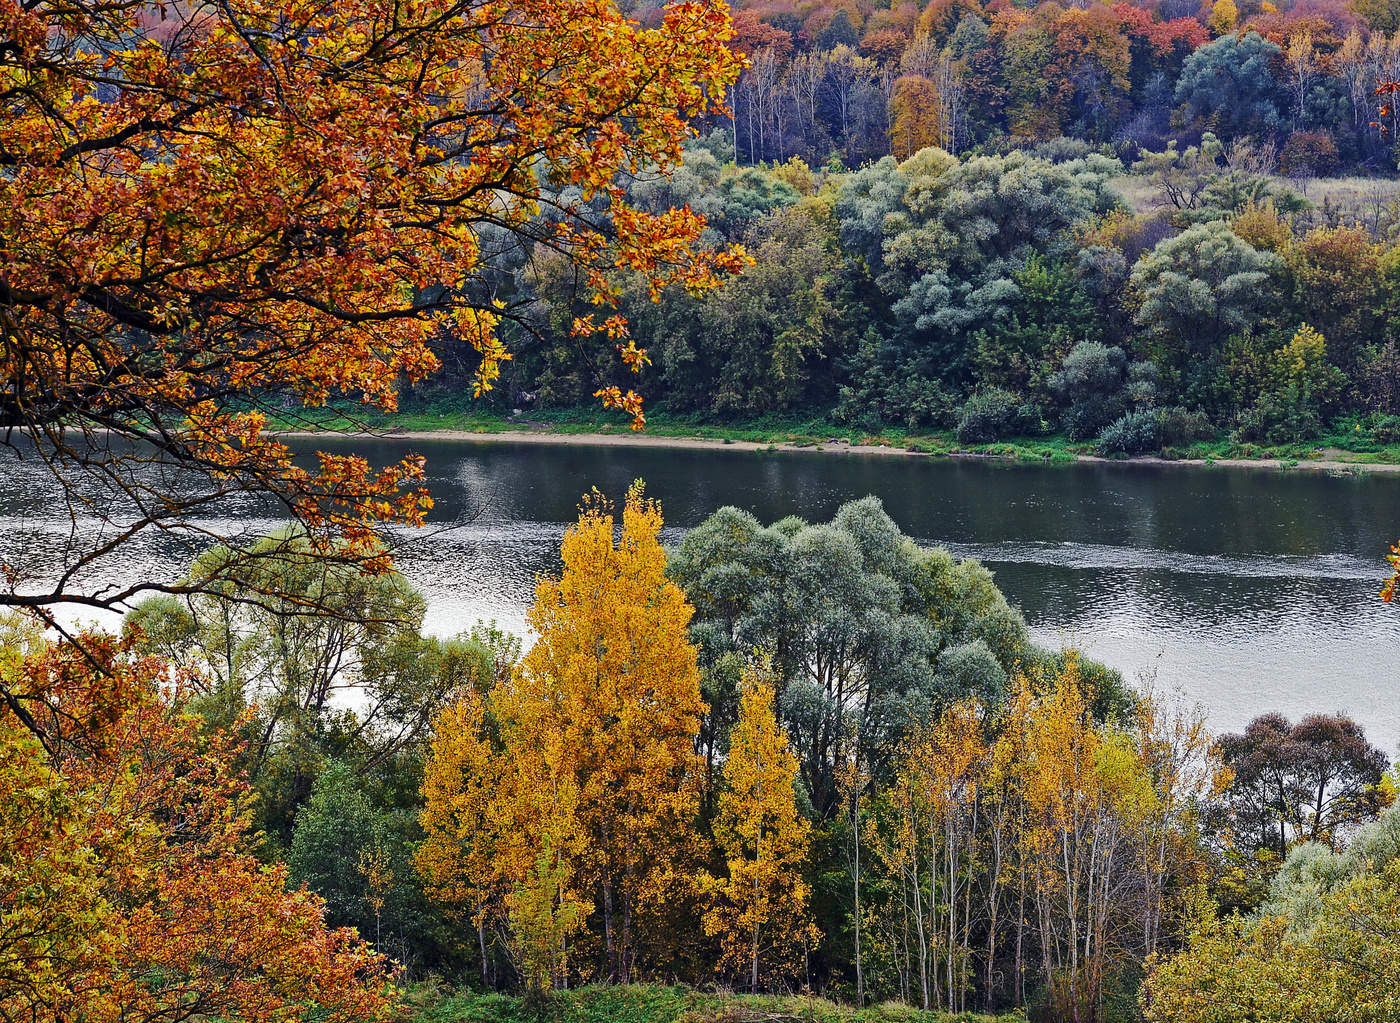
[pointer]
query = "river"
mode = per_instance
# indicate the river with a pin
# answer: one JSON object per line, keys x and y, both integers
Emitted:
{"x": 1248, "y": 590}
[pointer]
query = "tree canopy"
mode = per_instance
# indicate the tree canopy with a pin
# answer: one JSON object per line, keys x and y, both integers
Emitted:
{"x": 129, "y": 886}
{"x": 209, "y": 207}
{"x": 869, "y": 632}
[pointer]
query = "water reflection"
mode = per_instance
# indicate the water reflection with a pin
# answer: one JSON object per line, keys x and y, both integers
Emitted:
{"x": 1249, "y": 590}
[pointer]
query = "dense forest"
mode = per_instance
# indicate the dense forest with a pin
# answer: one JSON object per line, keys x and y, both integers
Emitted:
{"x": 860, "y": 79}
{"x": 1002, "y": 295}
{"x": 1093, "y": 221}
{"x": 815, "y": 760}
{"x": 780, "y": 757}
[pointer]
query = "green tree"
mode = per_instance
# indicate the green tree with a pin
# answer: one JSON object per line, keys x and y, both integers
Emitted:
{"x": 1095, "y": 385}
{"x": 1196, "y": 289}
{"x": 1302, "y": 390}
{"x": 1325, "y": 946}
{"x": 1229, "y": 85}
{"x": 747, "y": 194}
{"x": 870, "y": 204}
{"x": 1049, "y": 315}
{"x": 760, "y": 344}
{"x": 951, "y": 238}
{"x": 356, "y": 852}
{"x": 311, "y": 658}
{"x": 1380, "y": 15}
{"x": 332, "y": 832}
{"x": 838, "y": 32}
{"x": 856, "y": 615}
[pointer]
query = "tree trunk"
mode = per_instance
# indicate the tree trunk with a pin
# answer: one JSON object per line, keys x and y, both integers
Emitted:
{"x": 860, "y": 974}
{"x": 608, "y": 948}
{"x": 481, "y": 940}
{"x": 1020, "y": 939}
{"x": 753, "y": 962}
{"x": 919, "y": 930}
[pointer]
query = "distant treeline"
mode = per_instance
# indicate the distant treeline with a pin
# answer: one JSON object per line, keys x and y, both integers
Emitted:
{"x": 998, "y": 295}
{"x": 862, "y": 78}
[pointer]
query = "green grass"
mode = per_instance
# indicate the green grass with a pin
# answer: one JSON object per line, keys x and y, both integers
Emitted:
{"x": 1339, "y": 445}
{"x": 656, "y": 1004}
{"x": 1343, "y": 444}
{"x": 797, "y": 430}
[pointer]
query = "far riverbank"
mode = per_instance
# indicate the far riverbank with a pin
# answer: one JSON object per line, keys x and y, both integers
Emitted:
{"x": 1034, "y": 450}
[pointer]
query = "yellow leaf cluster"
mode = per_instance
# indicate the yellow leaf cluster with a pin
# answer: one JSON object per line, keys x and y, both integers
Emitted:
{"x": 587, "y": 792}
{"x": 758, "y": 909}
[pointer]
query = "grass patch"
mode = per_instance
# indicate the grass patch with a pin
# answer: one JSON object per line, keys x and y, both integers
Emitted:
{"x": 1367, "y": 200}
{"x": 1333, "y": 446}
{"x": 656, "y": 1004}
{"x": 1344, "y": 443}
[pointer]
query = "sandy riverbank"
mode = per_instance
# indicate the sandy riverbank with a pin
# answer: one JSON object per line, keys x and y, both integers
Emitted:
{"x": 645, "y": 440}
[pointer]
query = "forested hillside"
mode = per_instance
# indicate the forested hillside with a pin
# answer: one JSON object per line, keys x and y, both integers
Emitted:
{"x": 1001, "y": 295}
{"x": 864, "y": 78}
{"x": 1116, "y": 223}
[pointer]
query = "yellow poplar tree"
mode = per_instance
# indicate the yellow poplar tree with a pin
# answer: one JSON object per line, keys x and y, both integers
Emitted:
{"x": 952, "y": 763}
{"x": 915, "y": 122}
{"x": 936, "y": 845}
{"x": 588, "y": 793}
{"x": 759, "y": 910}
{"x": 459, "y": 860}
{"x": 609, "y": 699}
{"x": 1224, "y": 16}
{"x": 1087, "y": 796}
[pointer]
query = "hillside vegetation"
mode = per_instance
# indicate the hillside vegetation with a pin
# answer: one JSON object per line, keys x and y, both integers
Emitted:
{"x": 653, "y": 1004}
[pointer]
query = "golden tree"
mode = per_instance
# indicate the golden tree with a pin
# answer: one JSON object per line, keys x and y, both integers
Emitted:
{"x": 915, "y": 119}
{"x": 1224, "y": 16}
{"x": 931, "y": 846}
{"x": 458, "y": 857}
{"x": 948, "y": 761}
{"x": 206, "y": 205}
{"x": 127, "y": 886}
{"x": 613, "y": 687}
{"x": 592, "y": 788}
{"x": 758, "y": 910}
{"x": 1087, "y": 797}
{"x": 501, "y": 837}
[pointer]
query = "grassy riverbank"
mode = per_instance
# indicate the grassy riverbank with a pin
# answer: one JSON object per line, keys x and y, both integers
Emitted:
{"x": 1346, "y": 446}
{"x": 655, "y": 1004}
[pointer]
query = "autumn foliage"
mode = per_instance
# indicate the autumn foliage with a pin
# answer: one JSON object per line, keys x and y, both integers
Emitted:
{"x": 1035, "y": 827}
{"x": 581, "y": 796}
{"x": 615, "y": 806}
{"x": 758, "y": 907}
{"x": 205, "y": 204}
{"x": 1002, "y": 846}
{"x": 127, "y": 887}
{"x": 914, "y": 116}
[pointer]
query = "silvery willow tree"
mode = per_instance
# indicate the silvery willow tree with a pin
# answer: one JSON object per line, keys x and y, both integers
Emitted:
{"x": 869, "y": 632}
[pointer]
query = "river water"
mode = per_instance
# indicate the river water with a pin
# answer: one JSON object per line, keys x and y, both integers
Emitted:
{"x": 1248, "y": 590}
